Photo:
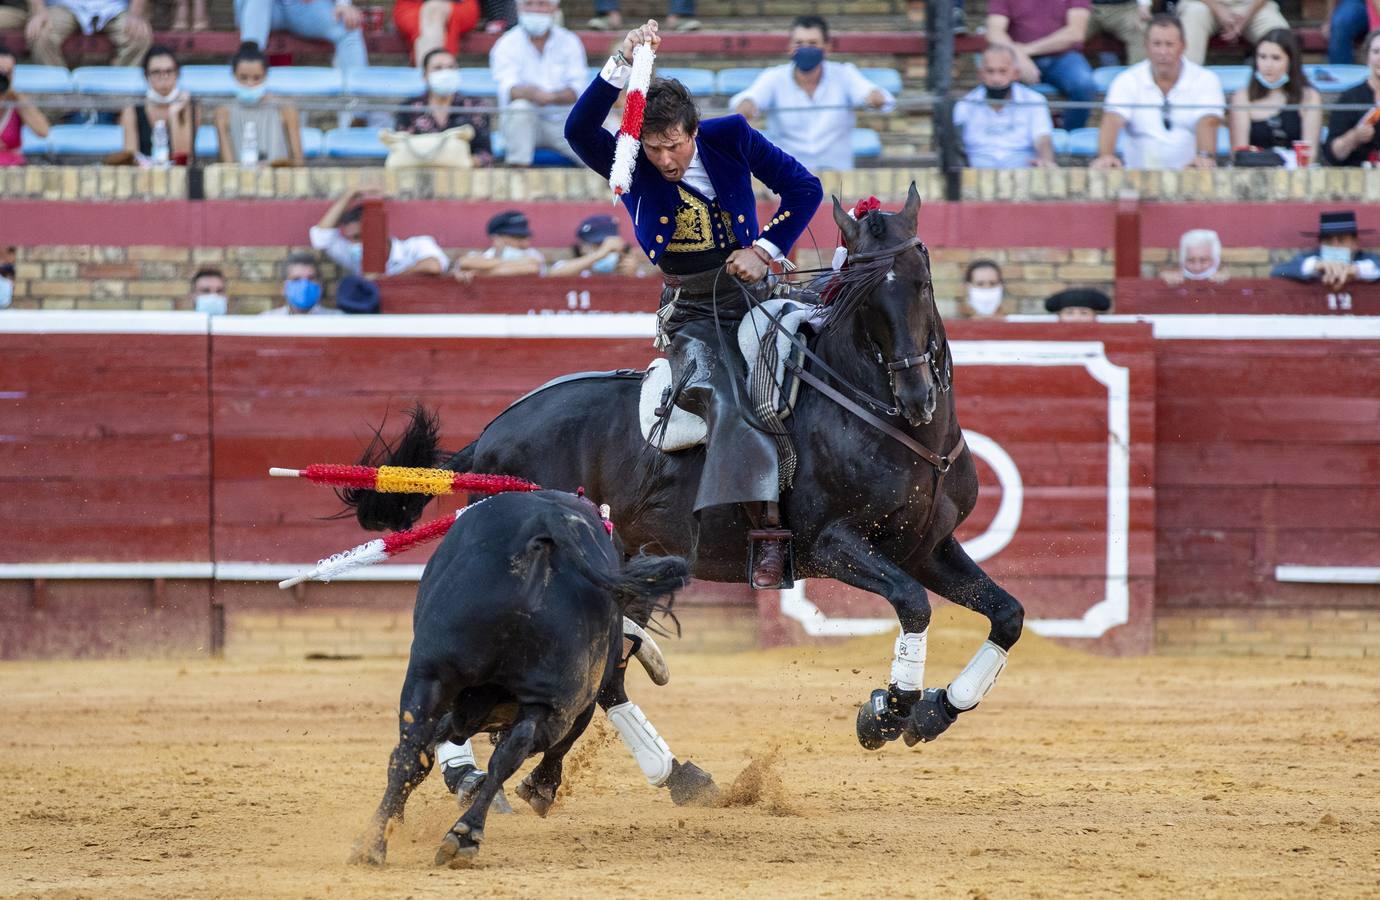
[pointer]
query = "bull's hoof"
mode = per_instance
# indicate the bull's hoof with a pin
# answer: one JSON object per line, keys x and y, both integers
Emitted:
{"x": 539, "y": 797}
{"x": 691, "y": 786}
{"x": 930, "y": 717}
{"x": 877, "y": 723}
{"x": 459, "y": 847}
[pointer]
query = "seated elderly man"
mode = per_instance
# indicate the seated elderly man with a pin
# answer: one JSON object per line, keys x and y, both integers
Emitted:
{"x": 1338, "y": 258}
{"x": 1200, "y": 258}
{"x": 540, "y": 70}
{"x": 1171, "y": 108}
{"x": 1003, "y": 123}
{"x": 809, "y": 101}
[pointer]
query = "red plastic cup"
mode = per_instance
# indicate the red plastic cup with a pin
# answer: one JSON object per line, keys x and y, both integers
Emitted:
{"x": 1302, "y": 153}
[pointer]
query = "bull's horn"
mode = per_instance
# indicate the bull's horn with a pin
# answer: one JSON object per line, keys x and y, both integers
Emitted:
{"x": 648, "y": 653}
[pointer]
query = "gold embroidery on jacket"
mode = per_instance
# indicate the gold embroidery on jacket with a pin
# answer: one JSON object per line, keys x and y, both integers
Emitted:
{"x": 695, "y": 226}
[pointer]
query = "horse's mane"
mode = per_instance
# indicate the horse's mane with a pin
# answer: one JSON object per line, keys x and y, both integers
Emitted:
{"x": 842, "y": 292}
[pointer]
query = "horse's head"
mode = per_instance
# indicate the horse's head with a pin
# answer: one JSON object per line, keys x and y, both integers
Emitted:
{"x": 892, "y": 293}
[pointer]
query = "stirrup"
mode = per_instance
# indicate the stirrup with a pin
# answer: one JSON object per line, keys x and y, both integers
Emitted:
{"x": 779, "y": 535}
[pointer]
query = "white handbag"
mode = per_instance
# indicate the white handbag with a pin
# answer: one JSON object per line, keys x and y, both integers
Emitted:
{"x": 449, "y": 149}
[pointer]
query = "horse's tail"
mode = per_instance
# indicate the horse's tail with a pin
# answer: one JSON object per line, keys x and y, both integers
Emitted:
{"x": 419, "y": 447}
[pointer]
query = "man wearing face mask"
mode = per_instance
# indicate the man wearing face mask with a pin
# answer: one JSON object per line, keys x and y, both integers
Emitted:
{"x": 809, "y": 102}
{"x": 539, "y": 68}
{"x": 7, "y": 277}
{"x": 598, "y": 251}
{"x": 1200, "y": 258}
{"x": 1004, "y": 124}
{"x": 510, "y": 250}
{"x": 301, "y": 289}
{"x": 208, "y": 292}
{"x": 694, "y": 213}
{"x": 1338, "y": 258}
{"x": 338, "y": 236}
{"x": 985, "y": 289}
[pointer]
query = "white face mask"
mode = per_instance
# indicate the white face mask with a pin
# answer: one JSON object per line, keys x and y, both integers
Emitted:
{"x": 535, "y": 24}
{"x": 212, "y": 304}
{"x": 1201, "y": 276}
{"x": 165, "y": 99}
{"x": 444, "y": 82}
{"x": 512, "y": 254}
{"x": 6, "y": 293}
{"x": 984, "y": 300}
{"x": 1328, "y": 253}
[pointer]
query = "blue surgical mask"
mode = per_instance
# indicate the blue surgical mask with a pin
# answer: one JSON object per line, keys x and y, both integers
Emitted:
{"x": 250, "y": 95}
{"x": 1272, "y": 85}
{"x": 1328, "y": 253}
{"x": 512, "y": 254}
{"x": 302, "y": 293}
{"x": 357, "y": 256}
{"x": 807, "y": 59}
{"x": 606, "y": 265}
{"x": 6, "y": 293}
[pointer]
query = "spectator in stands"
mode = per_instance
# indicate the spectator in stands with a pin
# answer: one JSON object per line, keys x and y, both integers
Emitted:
{"x": 301, "y": 289}
{"x": 443, "y": 106}
{"x": 254, "y": 126}
{"x": 809, "y": 101}
{"x": 1233, "y": 19}
{"x": 194, "y": 19}
{"x": 338, "y": 235}
{"x": 123, "y": 21}
{"x": 17, "y": 113}
{"x": 434, "y": 24}
{"x": 163, "y": 102}
{"x": 1258, "y": 117}
{"x": 1338, "y": 257}
{"x": 1351, "y": 134}
{"x": 1124, "y": 20}
{"x": 540, "y": 70}
{"x": 680, "y": 16}
{"x": 598, "y": 250}
{"x": 339, "y": 22}
{"x": 1171, "y": 108}
{"x": 1047, "y": 36}
{"x": 1200, "y": 258}
{"x": 1346, "y": 22}
{"x": 1078, "y": 304}
{"x": 13, "y": 15}
{"x": 7, "y": 256}
{"x": 510, "y": 250}
{"x": 208, "y": 292}
{"x": 1004, "y": 124}
{"x": 985, "y": 289}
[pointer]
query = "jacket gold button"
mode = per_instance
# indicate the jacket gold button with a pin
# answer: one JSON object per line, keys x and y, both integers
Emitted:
{"x": 742, "y": 218}
{"x": 660, "y": 239}
{"x": 665, "y": 221}
{"x": 651, "y": 254}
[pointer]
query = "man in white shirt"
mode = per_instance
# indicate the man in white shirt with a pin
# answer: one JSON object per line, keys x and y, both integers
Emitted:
{"x": 125, "y": 22}
{"x": 809, "y": 101}
{"x": 1004, "y": 124}
{"x": 510, "y": 250}
{"x": 1171, "y": 108}
{"x": 540, "y": 69}
{"x": 338, "y": 236}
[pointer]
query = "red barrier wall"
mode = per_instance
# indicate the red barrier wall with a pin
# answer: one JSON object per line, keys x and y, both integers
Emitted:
{"x": 1245, "y": 297}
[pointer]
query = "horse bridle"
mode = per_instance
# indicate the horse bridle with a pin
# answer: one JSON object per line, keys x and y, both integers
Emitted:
{"x": 930, "y": 357}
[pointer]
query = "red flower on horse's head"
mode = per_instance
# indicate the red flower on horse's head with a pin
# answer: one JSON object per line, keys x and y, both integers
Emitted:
{"x": 864, "y": 207}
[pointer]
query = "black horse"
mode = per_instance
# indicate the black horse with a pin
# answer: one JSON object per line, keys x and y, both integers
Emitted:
{"x": 517, "y": 627}
{"x": 883, "y": 477}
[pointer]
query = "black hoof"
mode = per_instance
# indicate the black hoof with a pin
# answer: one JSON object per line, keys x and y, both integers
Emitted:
{"x": 930, "y": 717}
{"x": 877, "y": 723}
{"x": 691, "y": 786}
{"x": 539, "y": 797}
{"x": 459, "y": 847}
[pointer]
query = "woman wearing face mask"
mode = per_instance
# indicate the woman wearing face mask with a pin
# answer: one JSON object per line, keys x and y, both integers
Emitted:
{"x": 14, "y": 116}
{"x": 985, "y": 289}
{"x": 1200, "y": 259}
{"x": 164, "y": 102}
{"x": 1258, "y": 116}
{"x": 443, "y": 106}
{"x": 598, "y": 250}
{"x": 275, "y": 133}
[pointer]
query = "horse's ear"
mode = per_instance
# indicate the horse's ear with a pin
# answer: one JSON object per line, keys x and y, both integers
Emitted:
{"x": 846, "y": 224}
{"x": 910, "y": 214}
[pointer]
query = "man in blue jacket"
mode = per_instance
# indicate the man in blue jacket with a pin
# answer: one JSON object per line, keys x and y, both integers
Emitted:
{"x": 695, "y": 216}
{"x": 1338, "y": 258}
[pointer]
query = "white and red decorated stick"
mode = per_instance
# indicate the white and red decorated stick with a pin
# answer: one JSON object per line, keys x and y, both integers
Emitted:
{"x": 630, "y": 132}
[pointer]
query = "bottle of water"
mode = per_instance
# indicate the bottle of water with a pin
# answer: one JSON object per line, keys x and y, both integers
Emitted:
{"x": 249, "y": 145}
{"x": 162, "y": 155}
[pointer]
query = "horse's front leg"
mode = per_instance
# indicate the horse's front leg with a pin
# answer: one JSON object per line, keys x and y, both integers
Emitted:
{"x": 847, "y": 556}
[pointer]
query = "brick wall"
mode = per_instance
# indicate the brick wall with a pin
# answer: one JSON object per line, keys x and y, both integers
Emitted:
{"x": 1330, "y": 633}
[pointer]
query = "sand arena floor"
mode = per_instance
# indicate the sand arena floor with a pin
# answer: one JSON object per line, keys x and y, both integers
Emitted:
{"x": 1079, "y": 776}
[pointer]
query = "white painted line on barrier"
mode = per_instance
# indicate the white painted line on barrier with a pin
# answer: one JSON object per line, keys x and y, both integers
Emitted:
{"x": 37, "y": 321}
{"x": 1328, "y": 574}
{"x": 97, "y": 570}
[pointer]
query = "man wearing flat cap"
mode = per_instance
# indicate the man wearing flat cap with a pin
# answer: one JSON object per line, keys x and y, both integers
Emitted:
{"x": 598, "y": 250}
{"x": 1338, "y": 257}
{"x": 510, "y": 250}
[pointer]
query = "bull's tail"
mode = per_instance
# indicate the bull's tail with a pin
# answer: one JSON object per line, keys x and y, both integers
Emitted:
{"x": 419, "y": 447}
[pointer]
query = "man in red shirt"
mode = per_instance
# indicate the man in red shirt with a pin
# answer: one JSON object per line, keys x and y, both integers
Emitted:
{"x": 1047, "y": 36}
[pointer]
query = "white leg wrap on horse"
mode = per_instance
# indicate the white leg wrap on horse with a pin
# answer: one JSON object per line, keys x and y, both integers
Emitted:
{"x": 653, "y": 756}
{"x": 450, "y": 754}
{"x": 908, "y": 666}
{"x": 977, "y": 678}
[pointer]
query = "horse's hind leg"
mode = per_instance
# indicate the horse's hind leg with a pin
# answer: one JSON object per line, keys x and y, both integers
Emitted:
{"x": 951, "y": 572}
{"x": 411, "y": 760}
{"x": 461, "y": 843}
{"x": 539, "y": 788}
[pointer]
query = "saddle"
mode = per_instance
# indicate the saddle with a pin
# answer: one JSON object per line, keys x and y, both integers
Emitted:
{"x": 770, "y": 383}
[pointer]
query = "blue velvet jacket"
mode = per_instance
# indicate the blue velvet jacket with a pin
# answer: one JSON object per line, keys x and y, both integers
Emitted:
{"x": 732, "y": 153}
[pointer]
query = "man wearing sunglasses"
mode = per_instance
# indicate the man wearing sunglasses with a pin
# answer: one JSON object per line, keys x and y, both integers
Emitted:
{"x": 1170, "y": 108}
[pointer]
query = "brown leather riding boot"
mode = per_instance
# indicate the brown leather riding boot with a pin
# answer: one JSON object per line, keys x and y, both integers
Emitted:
{"x": 769, "y": 562}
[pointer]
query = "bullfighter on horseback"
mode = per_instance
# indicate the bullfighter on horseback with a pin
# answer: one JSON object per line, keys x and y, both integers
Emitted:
{"x": 695, "y": 216}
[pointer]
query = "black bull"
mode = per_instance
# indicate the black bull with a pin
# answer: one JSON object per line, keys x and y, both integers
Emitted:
{"x": 517, "y": 627}
{"x": 865, "y": 509}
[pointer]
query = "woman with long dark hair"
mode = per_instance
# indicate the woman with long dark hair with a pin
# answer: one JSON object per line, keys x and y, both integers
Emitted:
{"x": 1258, "y": 114}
